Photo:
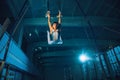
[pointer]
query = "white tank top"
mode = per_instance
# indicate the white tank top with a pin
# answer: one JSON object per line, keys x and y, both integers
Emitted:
{"x": 54, "y": 35}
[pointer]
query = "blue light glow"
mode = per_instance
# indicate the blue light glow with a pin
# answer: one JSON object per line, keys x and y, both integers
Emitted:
{"x": 83, "y": 58}
{"x": 30, "y": 34}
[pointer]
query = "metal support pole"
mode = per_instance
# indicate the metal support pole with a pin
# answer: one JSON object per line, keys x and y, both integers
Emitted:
{"x": 87, "y": 72}
{"x": 81, "y": 72}
{"x": 94, "y": 64}
{"x": 7, "y": 72}
{"x": 103, "y": 70}
{"x": 20, "y": 36}
{"x": 65, "y": 77}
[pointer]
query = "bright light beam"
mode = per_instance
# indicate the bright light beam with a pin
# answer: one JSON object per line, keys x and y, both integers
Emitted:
{"x": 83, "y": 58}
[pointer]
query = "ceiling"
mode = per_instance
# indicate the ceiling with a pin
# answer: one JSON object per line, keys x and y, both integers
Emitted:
{"x": 86, "y": 24}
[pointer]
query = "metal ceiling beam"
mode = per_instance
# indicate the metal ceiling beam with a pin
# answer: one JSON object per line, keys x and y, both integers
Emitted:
{"x": 65, "y": 53}
{"x": 77, "y": 43}
{"x": 61, "y": 59}
{"x": 60, "y": 63}
{"x": 75, "y": 21}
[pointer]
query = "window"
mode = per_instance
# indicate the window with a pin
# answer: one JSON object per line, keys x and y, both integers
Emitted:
{"x": 104, "y": 65}
{"x": 113, "y": 59}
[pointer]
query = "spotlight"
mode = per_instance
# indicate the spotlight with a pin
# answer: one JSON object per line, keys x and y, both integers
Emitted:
{"x": 30, "y": 34}
{"x": 83, "y": 58}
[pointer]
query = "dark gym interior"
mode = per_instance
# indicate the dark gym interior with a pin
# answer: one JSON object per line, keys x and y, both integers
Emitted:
{"x": 90, "y": 30}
